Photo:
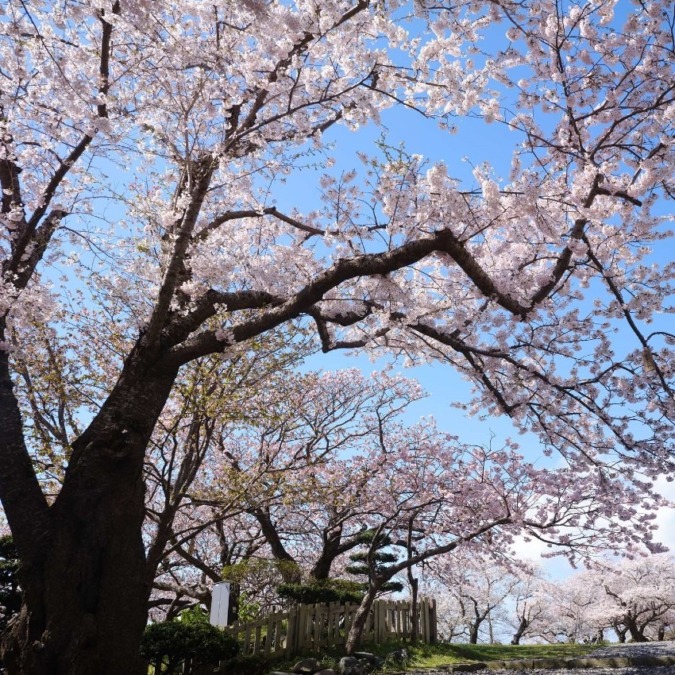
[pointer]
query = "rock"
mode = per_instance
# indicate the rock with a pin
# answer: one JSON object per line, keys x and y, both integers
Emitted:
{"x": 372, "y": 660}
{"x": 398, "y": 656}
{"x": 468, "y": 667}
{"x": 308, "y": 666}
{"x": 350, "y": 665}
{"x": 621, "y": 662}
{"x": 326, "y": 671}
{"x": 497, "y": 665}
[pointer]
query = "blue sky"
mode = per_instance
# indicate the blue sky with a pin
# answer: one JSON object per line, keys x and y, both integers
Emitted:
{"x": 478, "y": 142}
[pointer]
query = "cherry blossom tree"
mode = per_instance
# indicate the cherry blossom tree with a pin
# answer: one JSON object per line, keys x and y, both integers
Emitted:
{"x": 636, "y": 597}
{"x": 230, "y": 549}
{"x": 211, "y": 402}
{"x": 571, "y": 609}
{"x": 452, "y": 495}
{"x": 306, "y": 496}
{"x": 141, "y": 145}
{"x": 632, "y": 597}
{"x": 530, "y": 605}
{"x": 274, "y": 470}
{"x": 474, "y": 593}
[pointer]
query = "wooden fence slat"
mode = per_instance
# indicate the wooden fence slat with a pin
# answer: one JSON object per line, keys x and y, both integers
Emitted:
{"x": 256, "y": 640}
{"x": 302, "y": 633}
{"x": 291, "y": 632}
{"x": 425, "y": 620}
{"x": 316, "y": 636}
{"x": 268, "y": 636}
{"x": 247, "y": 638}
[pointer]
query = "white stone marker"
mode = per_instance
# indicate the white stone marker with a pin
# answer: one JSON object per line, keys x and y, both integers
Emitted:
{"x": 220, "y": 603}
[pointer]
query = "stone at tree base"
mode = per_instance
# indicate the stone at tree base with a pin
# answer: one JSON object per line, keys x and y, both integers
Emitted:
{"x": 365, "y": 656}
{"x": 350, "y": 665}
{"x": 398, "y": 655}
{"x": 308, "y": 666}
{"x": 372, "y": 660}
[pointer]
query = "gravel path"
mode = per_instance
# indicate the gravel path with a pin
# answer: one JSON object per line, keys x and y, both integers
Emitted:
{"x": 637, "y": 649}
{"x": 637, "y": 670}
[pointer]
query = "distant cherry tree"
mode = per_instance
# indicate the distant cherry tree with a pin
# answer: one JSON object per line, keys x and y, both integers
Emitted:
{"x": 636, "y": 598}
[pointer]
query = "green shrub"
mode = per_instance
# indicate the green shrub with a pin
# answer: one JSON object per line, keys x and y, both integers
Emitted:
{"x": 173, "y": 642}
{"x": 327, "y": 590}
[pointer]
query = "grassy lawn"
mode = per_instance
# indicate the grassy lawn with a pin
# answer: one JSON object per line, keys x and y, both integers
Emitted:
{"x": 430, "y": 656}
{"x": 427, "y": 656}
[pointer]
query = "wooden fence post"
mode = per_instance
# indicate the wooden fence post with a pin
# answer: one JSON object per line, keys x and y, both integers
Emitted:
{"x": 424, "y": 610}
{"x": 433, "y": 622}
{"x": 374, "y": 614}
{"x": 291, "y": 632}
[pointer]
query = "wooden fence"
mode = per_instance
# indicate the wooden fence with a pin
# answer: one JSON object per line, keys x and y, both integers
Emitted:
{"x": 307, "y": 628}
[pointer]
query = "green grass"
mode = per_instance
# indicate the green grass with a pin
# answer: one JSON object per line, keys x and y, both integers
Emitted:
{"x": 432, "y": 656}
{"x": 428, "y": 656}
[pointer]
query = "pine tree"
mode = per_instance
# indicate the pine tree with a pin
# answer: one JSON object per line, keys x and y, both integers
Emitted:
{"x": 382, "y": 559}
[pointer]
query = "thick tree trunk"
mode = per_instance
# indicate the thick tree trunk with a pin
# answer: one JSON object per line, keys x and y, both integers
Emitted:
{"x": 289, "y": 569}
{"x": 85, "y": 589}
{"x": 89, "y": 600}
{"x": 332, "y": 548}
{"x": 636, "y": 634}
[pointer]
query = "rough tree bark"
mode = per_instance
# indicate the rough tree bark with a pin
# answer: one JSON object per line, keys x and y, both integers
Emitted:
{"x": 522, "y": 627}
{"x": 636, "y": 634}
{"x": 83, "y": 574}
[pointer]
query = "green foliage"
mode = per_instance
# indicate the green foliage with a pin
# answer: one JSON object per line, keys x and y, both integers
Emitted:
{"x": 248, "y": 568}
{"x": 381, "y": 559}
{"x": 326, "y": 590}
{"x": 256, "y": 570}
{"x": 194, "y": 615}
{"x": 249, "y": 610}
{"x": 172, "y": 642}
{"x": 10, "y": 595}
